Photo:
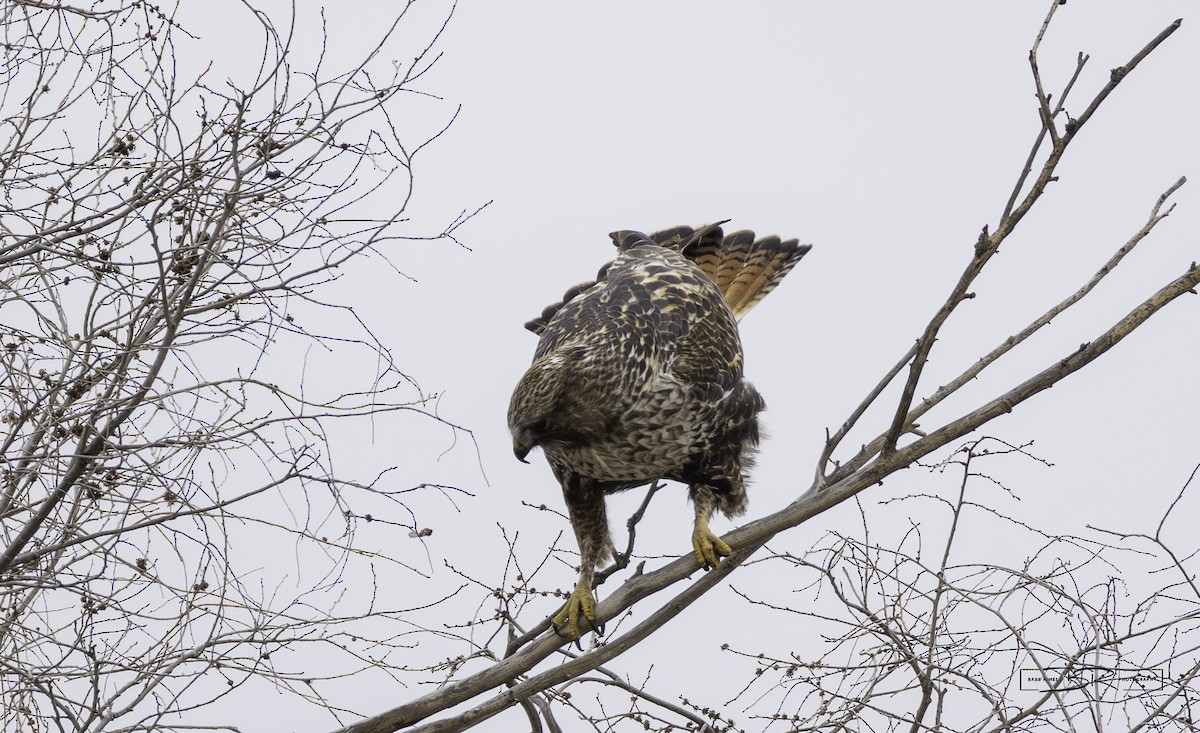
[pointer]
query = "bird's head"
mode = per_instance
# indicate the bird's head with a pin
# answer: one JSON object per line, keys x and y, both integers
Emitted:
{"x": 546, "y": 405}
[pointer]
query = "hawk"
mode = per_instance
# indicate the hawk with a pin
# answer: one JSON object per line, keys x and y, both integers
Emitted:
{"x": 637, "y": 377}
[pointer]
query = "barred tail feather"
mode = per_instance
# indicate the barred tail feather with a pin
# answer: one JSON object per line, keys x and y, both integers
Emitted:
{"x": 745, "y": 269}
{"x": 757, "y": 268}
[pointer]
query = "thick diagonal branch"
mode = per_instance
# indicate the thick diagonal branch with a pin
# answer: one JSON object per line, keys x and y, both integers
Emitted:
{"x": 745, "y": 540}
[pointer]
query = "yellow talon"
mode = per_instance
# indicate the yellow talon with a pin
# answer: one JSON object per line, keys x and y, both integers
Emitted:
{"x": 581, "y": 601}
{"x": 709, "y": 548}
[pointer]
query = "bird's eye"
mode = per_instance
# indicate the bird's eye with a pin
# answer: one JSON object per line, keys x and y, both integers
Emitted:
{"x": 537, "y": 426}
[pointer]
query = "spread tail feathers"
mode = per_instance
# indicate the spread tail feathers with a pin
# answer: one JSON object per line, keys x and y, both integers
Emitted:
{"x": 745, "y": 269}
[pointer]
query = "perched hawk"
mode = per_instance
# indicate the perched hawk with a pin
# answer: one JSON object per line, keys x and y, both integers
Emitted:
{"x": 638, "y": 376}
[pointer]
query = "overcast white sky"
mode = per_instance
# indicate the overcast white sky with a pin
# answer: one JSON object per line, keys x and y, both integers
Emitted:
{"x": 886, "y": 134}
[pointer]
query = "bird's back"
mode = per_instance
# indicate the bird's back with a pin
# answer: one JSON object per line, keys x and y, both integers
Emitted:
{"x": 653, "y": 311}
{"x": 745, "y": 269}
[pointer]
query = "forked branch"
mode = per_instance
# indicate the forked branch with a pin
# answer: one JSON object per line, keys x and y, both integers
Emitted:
{"x": 986, "y": 247}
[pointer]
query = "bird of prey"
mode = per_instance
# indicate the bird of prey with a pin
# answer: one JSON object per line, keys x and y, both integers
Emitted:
{"x": 637, "y": 377}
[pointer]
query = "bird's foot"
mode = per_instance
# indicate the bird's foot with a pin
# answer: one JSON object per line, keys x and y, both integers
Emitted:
{"x": 709, "y": 548}
{"x": 581, "y": 604}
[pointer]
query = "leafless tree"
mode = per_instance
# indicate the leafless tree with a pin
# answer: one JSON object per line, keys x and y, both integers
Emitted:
{"x": 161, "y": 274}
{"x": 905, "y": 630}
{"x": 923, "y": 635}
{"x": 164, "y": 240}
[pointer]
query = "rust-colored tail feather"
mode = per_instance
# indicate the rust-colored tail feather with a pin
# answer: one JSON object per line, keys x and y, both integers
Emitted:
{"x": 745, "y": 269}
{"x": 763, "y": 266}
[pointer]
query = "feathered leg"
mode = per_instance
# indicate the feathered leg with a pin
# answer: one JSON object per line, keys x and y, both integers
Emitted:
{"x": 585, "y": 503}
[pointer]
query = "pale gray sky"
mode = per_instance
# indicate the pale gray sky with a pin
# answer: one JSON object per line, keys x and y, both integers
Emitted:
{"x": 887, "y": 135}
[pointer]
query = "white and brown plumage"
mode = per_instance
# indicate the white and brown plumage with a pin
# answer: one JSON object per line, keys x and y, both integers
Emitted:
{"x": 638, "y": 377}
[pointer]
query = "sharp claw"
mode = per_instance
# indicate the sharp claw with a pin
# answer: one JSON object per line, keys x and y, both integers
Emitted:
{"x": 579, "y": 604}
{"x": 597, "y": 629}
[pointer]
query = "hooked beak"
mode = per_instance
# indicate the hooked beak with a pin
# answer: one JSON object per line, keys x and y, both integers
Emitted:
{"x": 520, "y": 451}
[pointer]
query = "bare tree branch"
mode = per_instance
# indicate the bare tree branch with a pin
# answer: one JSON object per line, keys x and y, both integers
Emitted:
{"x": 875, "y": 462}
{"x": 163, "y": 239}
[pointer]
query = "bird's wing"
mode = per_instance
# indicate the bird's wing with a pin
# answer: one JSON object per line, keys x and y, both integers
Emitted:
{"x": 615, "y": 328}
